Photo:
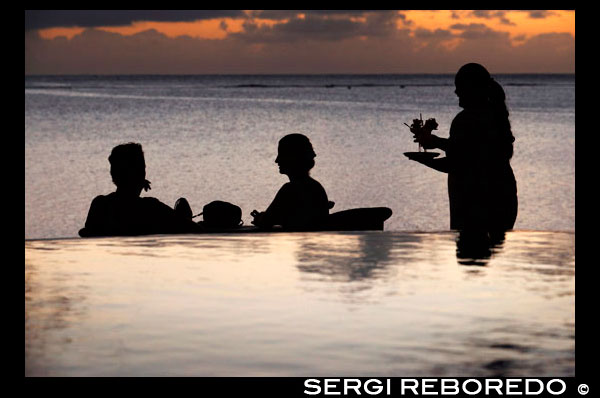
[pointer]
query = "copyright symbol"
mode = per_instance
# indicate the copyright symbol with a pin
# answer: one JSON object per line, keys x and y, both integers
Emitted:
{"x": 583, "y": 389}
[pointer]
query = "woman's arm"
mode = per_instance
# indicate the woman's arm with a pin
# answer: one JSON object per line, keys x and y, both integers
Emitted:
{"x": 432, "y": 141}
{"x": 436, "y": 164}
{"x": 441, "y": 143}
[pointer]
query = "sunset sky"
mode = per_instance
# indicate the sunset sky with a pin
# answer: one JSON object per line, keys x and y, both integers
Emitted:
{"x": 297, "y": 41}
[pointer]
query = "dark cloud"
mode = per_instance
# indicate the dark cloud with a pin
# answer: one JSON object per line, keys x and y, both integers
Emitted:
{"x": 41, "y": 19}
{"x": 486, "y": 13}
{"x": 296, "y": 29}
{"x": 98, "y": 52}
{"x": 489, "y": 14}
{"x": 321, "y": 42}
{"x": 477, "y": 31}
{"x": 287, "y": 14}
{"x": 501, "y": 14}
{"x": 320, "y": 26}
{"x": 539, "y": 13}
{"x": 433, "y": 34}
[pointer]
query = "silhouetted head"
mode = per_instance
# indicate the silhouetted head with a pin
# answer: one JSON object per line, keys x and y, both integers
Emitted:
{"x": 128, "y": 168}
{"x": 295, "y": 155}
{"x": 472, "y": 83}
{"x": 476, "y": 88}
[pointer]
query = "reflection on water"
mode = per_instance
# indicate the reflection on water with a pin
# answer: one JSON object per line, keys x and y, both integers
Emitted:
{"x": 361, "y": 257}
{"x": 50, "y": 311}
{"x": 476, "y": 248}
{"x": 299, "y": 304}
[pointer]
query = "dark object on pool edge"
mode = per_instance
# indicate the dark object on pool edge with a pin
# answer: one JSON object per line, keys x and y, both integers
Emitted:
{"x": 359, "y": 219}
{"x": 366, "y": 218}
{"x": 421, "y": 155}
{"x": 220, "y": 214}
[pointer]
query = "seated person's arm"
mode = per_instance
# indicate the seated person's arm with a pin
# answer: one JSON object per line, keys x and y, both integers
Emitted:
{"x": 94, "y": 224}
{"x": 169, "y": 221}
{"x": 273, "y": 214}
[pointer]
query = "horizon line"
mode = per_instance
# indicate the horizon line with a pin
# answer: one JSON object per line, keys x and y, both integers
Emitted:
{"x": 288, "y": 74}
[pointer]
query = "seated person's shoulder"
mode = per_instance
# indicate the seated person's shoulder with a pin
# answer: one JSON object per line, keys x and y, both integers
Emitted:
{"x": 288, "y": 189}
{"x": 97, "y": 215}
{"x": 101, "y": 199}
{"x": 316, "y": 183}
{"x": 150, "y": 200}
{"x": 317, "y": 188}
{"x": 312, "y": 191}
{"x": 101, "y": 202}
{"x": 295, "y": 190}
{"x": 152, "y": 203}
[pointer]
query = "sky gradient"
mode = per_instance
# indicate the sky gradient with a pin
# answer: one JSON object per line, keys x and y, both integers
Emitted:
{"x": 297, "y": 41}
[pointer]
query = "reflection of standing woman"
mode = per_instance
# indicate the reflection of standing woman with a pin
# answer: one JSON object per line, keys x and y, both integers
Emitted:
{"x": 481, "y": 185}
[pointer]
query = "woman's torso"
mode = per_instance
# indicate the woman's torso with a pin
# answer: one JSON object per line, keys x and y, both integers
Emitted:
{"x": 481, "y": 184}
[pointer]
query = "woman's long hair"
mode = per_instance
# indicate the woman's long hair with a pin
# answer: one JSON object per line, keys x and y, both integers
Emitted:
{"x": 478, "y": 79}
{"x": 497, "y": 99}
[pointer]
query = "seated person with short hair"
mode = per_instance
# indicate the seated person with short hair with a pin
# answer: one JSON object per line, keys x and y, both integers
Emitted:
{"x": 302, "y": 203}
{"x": 124, "y": 212}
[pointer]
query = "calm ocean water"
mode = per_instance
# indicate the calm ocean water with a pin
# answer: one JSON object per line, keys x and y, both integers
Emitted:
{"x": 215, "y": 137}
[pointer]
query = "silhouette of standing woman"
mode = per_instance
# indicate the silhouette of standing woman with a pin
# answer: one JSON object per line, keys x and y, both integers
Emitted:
{"x": 124, "y": 212}
{"x": 482, "y": 188}
{"x": 301, "y": 203}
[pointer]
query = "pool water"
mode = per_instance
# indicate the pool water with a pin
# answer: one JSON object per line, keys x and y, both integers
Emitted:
{"x": 300, "y": 304}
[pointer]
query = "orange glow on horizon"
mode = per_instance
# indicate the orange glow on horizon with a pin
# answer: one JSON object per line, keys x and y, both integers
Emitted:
{"x": 52, "y": 33}
{"x": 559, "y": 21}
{"x": 205, "y": 29}
{"x": 523, "y": 25}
